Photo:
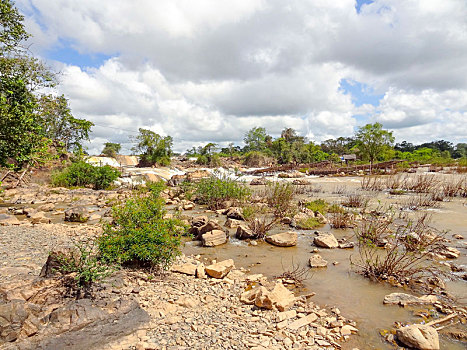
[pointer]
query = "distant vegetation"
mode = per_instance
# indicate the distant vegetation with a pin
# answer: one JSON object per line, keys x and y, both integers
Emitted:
{"x": 370, "y": 144}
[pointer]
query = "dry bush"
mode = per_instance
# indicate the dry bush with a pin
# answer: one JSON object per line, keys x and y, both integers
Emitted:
{"x": 297, "y": 274}
{"x": 372, "y": 183}
{"x": 356, "y": 200}
{"x": 438, "y": 196}
{"x": 394, "y": 182}
{"x": 341, "y": 220}
{"x": 451, "y": 187}
{"x": 405, "y": 257}
{"x": 374, "y": 228}
{"x": 422, "y": 183}
{"x": 340, "y": 189}
{"x": 261, "y": 226}
{"x": 420, "y": 200}
{"x": 279, "y": 197}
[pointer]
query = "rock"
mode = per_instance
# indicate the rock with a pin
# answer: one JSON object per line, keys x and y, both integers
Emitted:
{"x": 211, "y": 225}
{"x": 346, "y": 245}
{"x": 244, "y": 232}
{"x": 317, "y": 261}
{"x": 419, "y": 337}
{"x": 249, "y": 296}
{"x": 187, "y": 269}
{"x": 47, "y": 207}
{"x": 326, "y": 240}
{"x": 259, "y": 181}
{"x": 197, "y": 175}
{"x": 6, "y": 219}
{"x": 304, "y": 321}
{"x": 280, "y": 298}
{"x": 214, "y": 238}
{"x": 39, "y": 218}
{"x": 450, "y": 253}
{"x": 151, "y": 177}
{"x": 220, "y": 269}
{"x": 301, "y": 182}
{"x": 79, "y": 214}
{"x": 200, "y": 271}
{"x": 457, "y": 236}
{"x": 232, "y": 223}
{"x": 284, "y": 239}
{"x": 235, "y": 213}
{"x": 176, "y": 180}
{"x": 348, "y": 330}
{"x": 407, "y": 299}
{"x": 321, "y": 218}
{"x": 188, "y": 301}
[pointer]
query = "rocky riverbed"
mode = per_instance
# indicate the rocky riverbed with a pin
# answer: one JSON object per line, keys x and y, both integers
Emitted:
{"x": 183, "y": 311}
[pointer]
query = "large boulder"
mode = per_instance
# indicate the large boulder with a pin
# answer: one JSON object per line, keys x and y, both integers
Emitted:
{"x": 244, "y": 232}
{"x": 284, "y": 239}
{"x": 214, "y": 238}
{"x": 326, "y": 240}
{"x": 279, "y": 297}
{"x": 317, "y": 261}
{"x": 201, "y": 225}
{"x": 419, "y": 336}
{"x": 79, "y": 214}
{"x": 232, "y": 223}
{"x": 220, "y": 269}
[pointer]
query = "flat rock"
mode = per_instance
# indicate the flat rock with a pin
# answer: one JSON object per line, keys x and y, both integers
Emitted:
{"x": 214, "y": 238}
{"x": 187, "y": 269}
{"x": 419, "y": 337}
{"x": 326, "y": 240}
{"x": 316, "y": 260}
{"x": 220, "y": 269}
{"x": 233, "y": 223}
{"x": 6, "y": 219}
{"x": 304, "y": 321}
{"x": 284, "y": 239}
{"x": 407, "y": 299}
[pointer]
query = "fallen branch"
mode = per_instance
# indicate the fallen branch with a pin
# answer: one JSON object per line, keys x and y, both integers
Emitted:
{"x": 442, "y": 320}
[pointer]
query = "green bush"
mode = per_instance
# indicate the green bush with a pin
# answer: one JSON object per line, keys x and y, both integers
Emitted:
{"x": 318, "y": 205}
{"x": 82, "y": 174}
{"x": 140, "y": 235}
{"x": 216, "y": 189}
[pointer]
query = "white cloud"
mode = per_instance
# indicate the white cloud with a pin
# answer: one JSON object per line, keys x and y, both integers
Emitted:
{"x": 209, "y": 70}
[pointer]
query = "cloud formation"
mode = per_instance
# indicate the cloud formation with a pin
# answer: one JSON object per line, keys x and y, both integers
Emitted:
{"x": 209, "y": 70}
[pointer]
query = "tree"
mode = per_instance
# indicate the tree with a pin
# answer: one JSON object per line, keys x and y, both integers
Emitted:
{"x": 60, "y": 125}
{"x": 372, "y": 140}
{"x": 26, "y": 128}
{"x": 255, "y": 139}
{"x": 153, "y": 148}
{"x": 290, "y": 135}
{"x": 111, "y": 149}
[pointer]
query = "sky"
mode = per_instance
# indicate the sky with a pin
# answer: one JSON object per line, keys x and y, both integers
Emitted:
{"x": 209, "y": 70}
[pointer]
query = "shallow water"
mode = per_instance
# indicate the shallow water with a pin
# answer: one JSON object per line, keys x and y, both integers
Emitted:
{"x": 338, "y": 285}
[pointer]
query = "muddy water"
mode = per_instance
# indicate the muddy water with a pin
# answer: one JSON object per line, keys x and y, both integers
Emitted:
{"x": 338, "y": 285}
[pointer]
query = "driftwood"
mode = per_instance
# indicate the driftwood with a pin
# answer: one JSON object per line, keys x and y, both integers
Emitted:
{"x": 442, "y": 320}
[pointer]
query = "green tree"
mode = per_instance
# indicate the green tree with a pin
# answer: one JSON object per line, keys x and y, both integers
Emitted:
{"x": 255, "y": 139}
{"x": 153, "y": 148}
{"x": 373, "y": 140}
{"x": 60, "y": 125}
{"x": 111, "y": 149}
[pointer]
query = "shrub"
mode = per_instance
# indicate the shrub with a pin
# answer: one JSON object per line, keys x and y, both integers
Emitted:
{"x": 279, "y": 196}
{"x": 261, "y": 226}
{"x": 80, "y": 174}
{"x": 140, "y": 235}
{"x": 404, "y": 258}
{"x": 339, "y": 220}
{"x": 356, "y": 201}
{"x": 84, "y": 263}
{"x": 216, "y": 189}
